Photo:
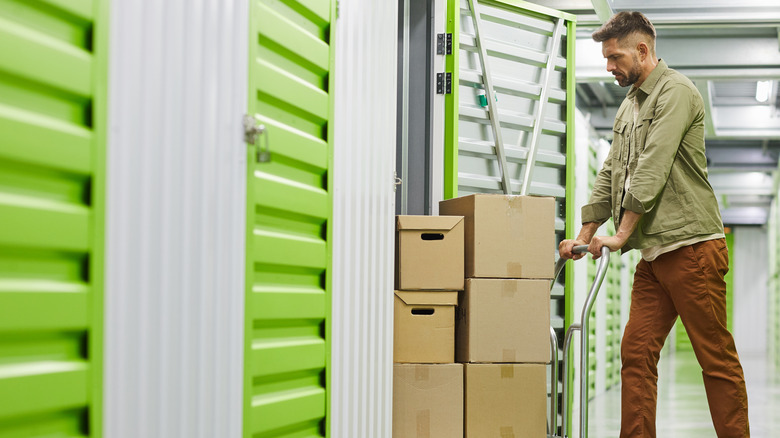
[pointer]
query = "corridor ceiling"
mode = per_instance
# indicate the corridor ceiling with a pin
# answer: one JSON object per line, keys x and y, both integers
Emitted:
{"x": 727, "y": 48}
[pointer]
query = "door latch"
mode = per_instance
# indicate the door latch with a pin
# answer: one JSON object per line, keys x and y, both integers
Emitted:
{"x": 252, "y": 132}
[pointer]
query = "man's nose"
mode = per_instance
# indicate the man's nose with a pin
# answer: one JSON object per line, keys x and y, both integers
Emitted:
{"x": 610, "y": 66}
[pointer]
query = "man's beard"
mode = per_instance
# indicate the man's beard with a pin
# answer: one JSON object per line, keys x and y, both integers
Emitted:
{"x": 633, "y": 74}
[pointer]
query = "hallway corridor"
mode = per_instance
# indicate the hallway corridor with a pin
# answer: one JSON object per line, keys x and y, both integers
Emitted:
{"x": 682, "y": 403}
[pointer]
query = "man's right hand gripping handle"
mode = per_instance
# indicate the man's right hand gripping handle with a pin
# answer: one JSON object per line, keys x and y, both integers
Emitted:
{"x": 566, "y": 247}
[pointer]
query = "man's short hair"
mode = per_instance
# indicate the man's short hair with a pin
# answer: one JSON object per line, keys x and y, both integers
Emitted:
{"x": 625, "y": 24}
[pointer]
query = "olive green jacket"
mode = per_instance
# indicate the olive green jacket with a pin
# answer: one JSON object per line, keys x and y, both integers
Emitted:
{"x": 667, "y": 168}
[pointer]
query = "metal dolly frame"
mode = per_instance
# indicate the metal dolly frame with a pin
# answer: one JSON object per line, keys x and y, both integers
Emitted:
{"x": 582, "y": 327}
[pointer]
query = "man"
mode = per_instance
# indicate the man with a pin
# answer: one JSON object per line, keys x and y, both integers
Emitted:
{"x": 654, "y": 185}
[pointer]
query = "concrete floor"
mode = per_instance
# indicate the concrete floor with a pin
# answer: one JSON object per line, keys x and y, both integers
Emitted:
{"x": 682, "y": 403}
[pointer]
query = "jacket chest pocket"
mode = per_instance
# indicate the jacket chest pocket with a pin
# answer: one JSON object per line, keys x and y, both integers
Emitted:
{"x": 620, "y": 140}
{"x": 640, "y": 133}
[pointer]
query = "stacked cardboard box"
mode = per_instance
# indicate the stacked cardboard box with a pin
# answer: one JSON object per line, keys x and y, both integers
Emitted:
{"x": 502, "y": 333}
{"x": 427, "y": 384}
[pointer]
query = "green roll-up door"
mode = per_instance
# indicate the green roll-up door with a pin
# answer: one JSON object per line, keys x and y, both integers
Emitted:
{"x": 288, "y": 214}
{"x": 52, "y": 146}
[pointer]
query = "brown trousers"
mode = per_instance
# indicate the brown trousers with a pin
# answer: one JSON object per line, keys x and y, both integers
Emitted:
{"x": 687, "y": 282}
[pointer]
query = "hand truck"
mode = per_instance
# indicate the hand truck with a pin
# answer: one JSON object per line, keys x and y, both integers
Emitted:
{"x": 582, "y": 327}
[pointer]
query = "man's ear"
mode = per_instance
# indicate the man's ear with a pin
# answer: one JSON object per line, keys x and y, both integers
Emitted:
{"x": 643, "y": 49}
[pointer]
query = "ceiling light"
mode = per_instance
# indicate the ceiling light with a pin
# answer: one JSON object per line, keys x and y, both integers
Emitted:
{"x": 763, "y": 88}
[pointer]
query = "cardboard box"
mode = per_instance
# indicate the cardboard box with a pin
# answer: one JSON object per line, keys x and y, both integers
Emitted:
{"x": 505, "y": 400}
{"x": 428, "y": 401}
{"x": 424, "y": 330}
{"x": 429, "y": 253}
{"x": 506, "y": 236}
{"x": 503, "y": 320}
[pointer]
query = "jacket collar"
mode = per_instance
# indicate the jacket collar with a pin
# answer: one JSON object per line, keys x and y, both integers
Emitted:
{"x": 652, "y": 80}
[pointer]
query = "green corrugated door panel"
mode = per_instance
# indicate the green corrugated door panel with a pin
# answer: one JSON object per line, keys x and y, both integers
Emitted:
{"x": 288, "y": 215}
{"x": 53, "y": 70}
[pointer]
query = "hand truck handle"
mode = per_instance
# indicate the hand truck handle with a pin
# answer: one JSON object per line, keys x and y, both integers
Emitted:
{"x": 583, "y": 327}
{"x": 579, "y": 249}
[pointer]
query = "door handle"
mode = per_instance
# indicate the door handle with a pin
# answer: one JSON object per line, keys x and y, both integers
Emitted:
{"x": 253, "y": 132}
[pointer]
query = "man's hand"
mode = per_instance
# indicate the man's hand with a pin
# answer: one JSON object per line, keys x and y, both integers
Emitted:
{"x": 566, "y": 247}
{"x": 614, "y": 243}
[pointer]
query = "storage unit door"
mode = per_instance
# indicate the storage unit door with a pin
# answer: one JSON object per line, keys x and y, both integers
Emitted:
{"x": 289, "y": 208}
{"x": 517, "y": 141}
{"x": 509, "y": 111}
{"x": 52, "y": 88}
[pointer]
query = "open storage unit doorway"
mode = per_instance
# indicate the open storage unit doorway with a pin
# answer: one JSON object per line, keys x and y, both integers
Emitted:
{"x": 514, "y": 64}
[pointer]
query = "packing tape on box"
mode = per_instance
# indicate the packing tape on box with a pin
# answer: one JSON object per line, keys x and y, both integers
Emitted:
{"x": 421, "y": 373}
{"x": 507, "y": 371}
{"x": 508, "y": 288}
{"x": 507, "y": 432}
{"x": 514, "y": 269}
{"x": 509, "y": 355}
{"x": 424, "y": 423}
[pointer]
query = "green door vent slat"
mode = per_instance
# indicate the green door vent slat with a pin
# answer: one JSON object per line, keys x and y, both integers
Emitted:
{"x": 291, "y": 196}
{"x": 280, "y": 249}
{"x": 82, "y": 9}
{"x": 278, "y": 304}
{"x": 42, "y": 310}
{"x": 288, "y": 355}
{"x": 307, "y": 48}
{"x": 27, "y": 389}
{"x": 43, "y": 224}
{"x": 59, "y": 145}
{"x": 299, "y": 146}
{"x": 317, "y": 11}
{"x": 288, "y": 408}
{"x": 308, "y": 101}
{"x": 31, "y": 55}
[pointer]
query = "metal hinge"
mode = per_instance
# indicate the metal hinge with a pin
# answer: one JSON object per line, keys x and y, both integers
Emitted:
{"x": 444, "y": 83}
{"x": 396, "y": 181}
{"x": 444, "y": 44}
{"x": 252, "y": 131}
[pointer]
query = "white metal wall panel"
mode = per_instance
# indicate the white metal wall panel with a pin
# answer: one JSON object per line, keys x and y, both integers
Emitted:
{"x": 363, "y": 220}
{"x": 750, "y": 290}
{"x": 176, "y": 180}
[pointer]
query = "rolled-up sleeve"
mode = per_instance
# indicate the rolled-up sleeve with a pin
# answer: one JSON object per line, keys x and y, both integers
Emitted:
{"x": 673, "y": 117}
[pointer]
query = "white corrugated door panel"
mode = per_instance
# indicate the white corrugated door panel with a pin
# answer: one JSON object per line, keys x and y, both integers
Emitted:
{"x": 175, "y": 219}
{"x": 363, "y": 219}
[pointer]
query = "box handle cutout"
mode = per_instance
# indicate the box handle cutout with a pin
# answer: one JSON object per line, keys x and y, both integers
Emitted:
{"x": 432, "y": 236}
{"x": 422, "y": 311}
